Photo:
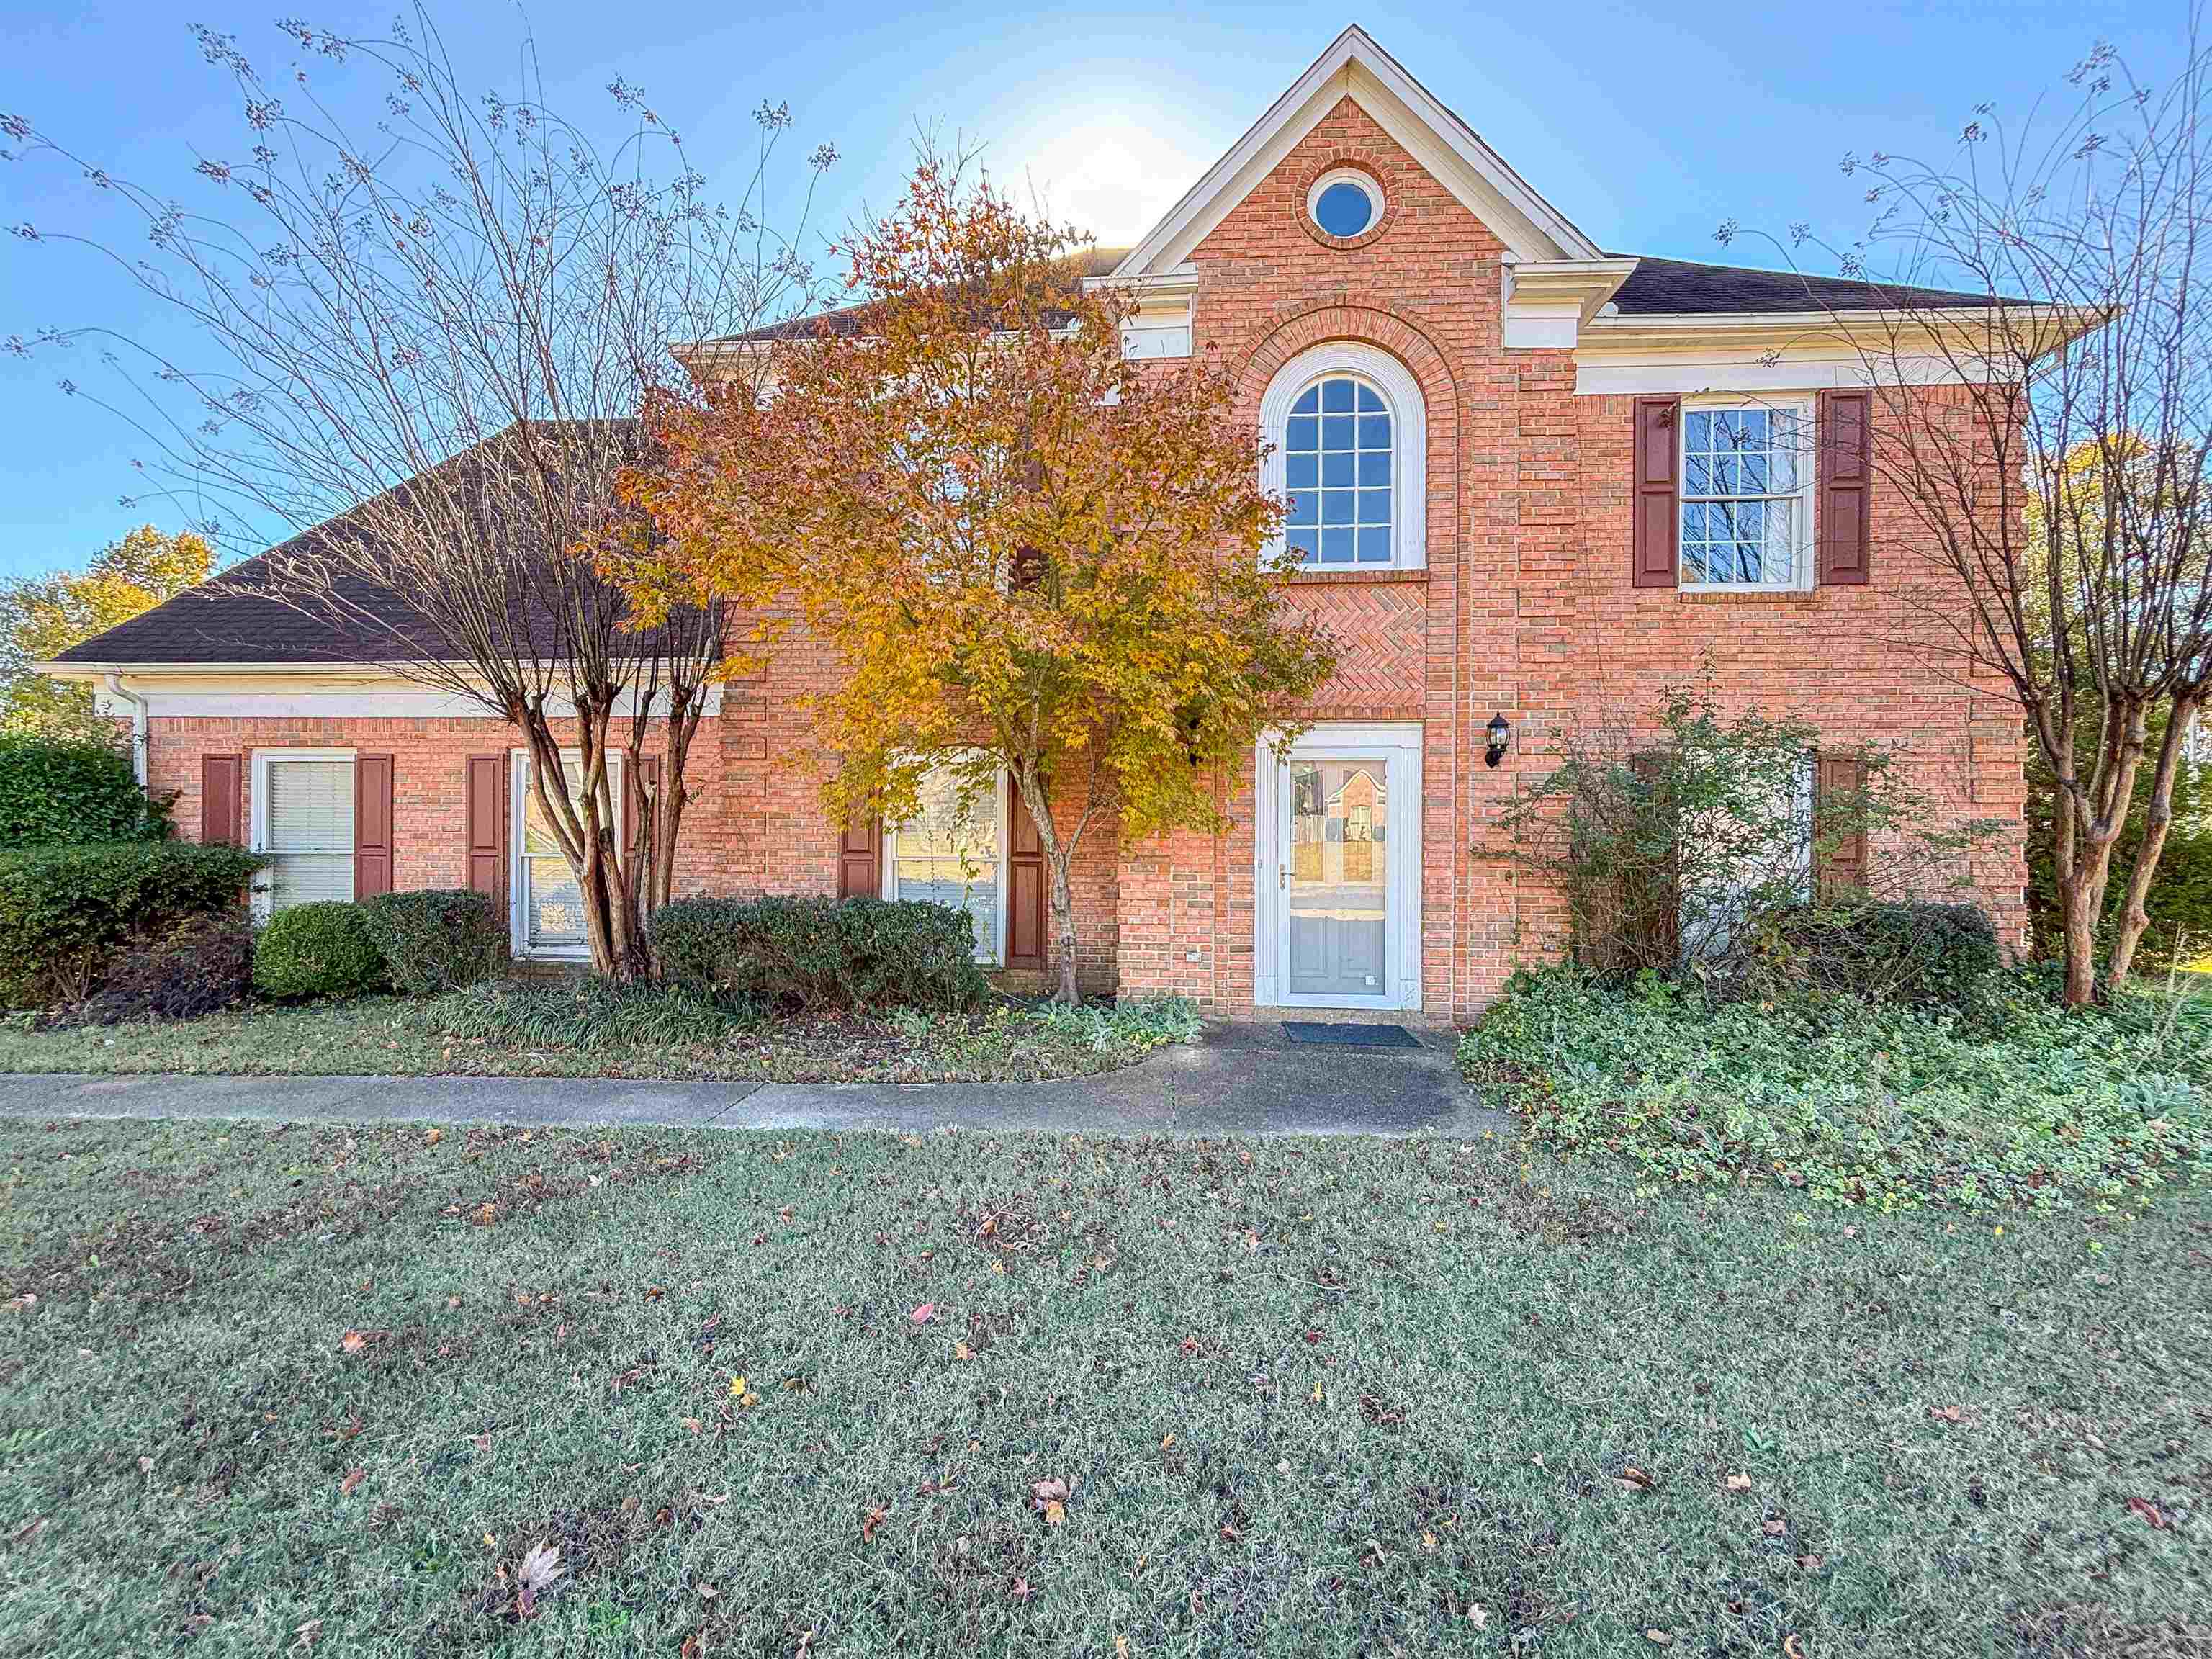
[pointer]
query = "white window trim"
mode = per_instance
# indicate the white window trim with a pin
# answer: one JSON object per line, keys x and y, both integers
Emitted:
{"x": 994, "y": 954}
{"x": 518, "y": 863}
{"x": 1367, "y": 186}
{"x": 1409, "y": 441}
{"x": 1805, "y": 407}
{"x": 1399, "y": 744}
{"x": 262, "y": 757}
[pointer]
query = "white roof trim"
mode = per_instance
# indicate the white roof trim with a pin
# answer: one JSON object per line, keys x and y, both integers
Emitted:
{"x": 1531, "y": 227}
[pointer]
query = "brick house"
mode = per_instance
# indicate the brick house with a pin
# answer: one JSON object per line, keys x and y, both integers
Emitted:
{"x": 1505, "y": 450}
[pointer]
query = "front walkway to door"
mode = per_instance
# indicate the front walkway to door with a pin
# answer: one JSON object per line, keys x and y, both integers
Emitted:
{"x": 1239, "y": 1079}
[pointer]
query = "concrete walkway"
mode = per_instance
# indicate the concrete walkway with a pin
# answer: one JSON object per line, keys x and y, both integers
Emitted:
{"x": 1241, "y": 1079}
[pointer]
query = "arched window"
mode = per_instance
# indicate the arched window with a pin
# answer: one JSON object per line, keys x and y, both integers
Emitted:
{"x": 1349, "y": 436}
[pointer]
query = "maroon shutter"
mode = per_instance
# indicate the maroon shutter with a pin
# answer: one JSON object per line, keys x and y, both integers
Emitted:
{"x": 1839, "y": 779}
{"x": 486, "y": 825}
{"x": 860, "y": 860}
{"x": 647, "y": 778}
{"x": 221, "y": 794}
{"x": 1845, "y": 525}
{"x": 1025, "y": 906}
{"x": 1658, "y": 441}
{"x": 372, "y": 825}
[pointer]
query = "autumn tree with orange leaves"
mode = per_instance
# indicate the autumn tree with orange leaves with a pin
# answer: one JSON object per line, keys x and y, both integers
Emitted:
{"x": 1028, "y": 552}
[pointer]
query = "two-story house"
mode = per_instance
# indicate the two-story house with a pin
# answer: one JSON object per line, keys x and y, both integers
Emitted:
{"x": 1533, "y": 484}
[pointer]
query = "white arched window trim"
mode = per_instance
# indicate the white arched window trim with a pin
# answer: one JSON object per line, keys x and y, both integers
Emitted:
{"x": 1409, "y": 438}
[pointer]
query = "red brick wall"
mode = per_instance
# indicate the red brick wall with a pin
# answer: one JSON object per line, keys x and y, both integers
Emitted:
{"x": 1525, "y": 608}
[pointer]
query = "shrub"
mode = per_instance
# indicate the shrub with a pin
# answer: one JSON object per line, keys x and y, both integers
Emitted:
{"x": 1915, "y": 953}
{"x": 64, "y": 910}
{"x": 588, "y": 1014}
{"x": 201, "y": 965}
{"x": 436, "y": 939}
{"x": 2016, "y": 1100}
{"x": 53, "y": 792}
{"x": 819, "y": 955}
{"x": 321, "y": 949}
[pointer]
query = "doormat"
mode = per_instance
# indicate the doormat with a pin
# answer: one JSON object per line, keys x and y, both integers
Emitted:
{"x": 1351, "y": 1036}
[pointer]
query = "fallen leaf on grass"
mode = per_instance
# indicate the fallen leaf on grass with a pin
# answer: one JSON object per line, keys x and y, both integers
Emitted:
{"x": 874, "y": 1518}
{"x": 1477, "y": 1614}
{"x": 303, "y": 1636}
{"x": 1318, "y": 1396}
{"x": 355, "y": 1341}
{"x": 433, "y": 1137}
{"x": 1632, "y": 1479}
{"x": 746, "y": 1397}
{"x": 1739, "y": 1483}
{"x": 924, "y": 1314}
{"x": 693, "y": 1644}
{"x": 1659, "y": 1637}
{"x": 1789, "y": 1647}
{"x": 2152, "y": 1515}
{"x": 1945, "y": 1413}
{"x": 1809, "y": 1563}
{"x": 694, "y": 1425}
{"x": 484, "y": 1214}
{"x": 354, "y": 1477}
{"x": 1050, "y": 1498}
{"x": 1021, "y": 1590}
{"x": 962, "y": 1350}
{"x": 654, "y": 1292}
{"x": 1166, "y": 1440}
{"x": 535, "y": 1576}
{"x": 1775, "y": 1528}
{"x": 27, "y": 1531}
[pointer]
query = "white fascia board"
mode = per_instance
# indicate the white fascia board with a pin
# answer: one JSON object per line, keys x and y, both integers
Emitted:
{"x": 1446, "y": 146}
{"x": 1547, "y": 302}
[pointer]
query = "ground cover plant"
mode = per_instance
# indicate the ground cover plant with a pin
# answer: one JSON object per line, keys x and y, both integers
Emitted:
{"x": 589, "y": 1027}
{"x": 2011, "y": 1099}
{"x": 473, "y": 1391}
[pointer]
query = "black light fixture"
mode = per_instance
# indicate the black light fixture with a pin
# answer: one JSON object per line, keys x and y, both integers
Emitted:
{"x": 1499, "y": 731}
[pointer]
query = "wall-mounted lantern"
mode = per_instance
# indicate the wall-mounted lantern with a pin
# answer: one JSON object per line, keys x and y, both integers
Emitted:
{"x": 1499, "y": 731}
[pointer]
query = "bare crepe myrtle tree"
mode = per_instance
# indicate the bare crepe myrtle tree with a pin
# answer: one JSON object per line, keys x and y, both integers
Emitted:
{"x": 423, "y": 341}
{"x": 2040, "y": 445}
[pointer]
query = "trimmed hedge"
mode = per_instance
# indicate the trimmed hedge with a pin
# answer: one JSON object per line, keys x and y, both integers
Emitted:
{"x": 1909, "y": 953}
{"x": 817, "y": 955}
{"x": 321, "y": 950}
{"x": 436, "y": 939}
{"x": 52, "y": 793}
{"x": 64, "y": 910}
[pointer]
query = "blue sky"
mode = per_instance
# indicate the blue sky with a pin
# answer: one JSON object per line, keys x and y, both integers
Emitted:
{"x": 1647, "y": 126}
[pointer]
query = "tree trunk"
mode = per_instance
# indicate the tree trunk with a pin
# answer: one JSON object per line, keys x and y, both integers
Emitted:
{"x": 1063, "y": 929}
{"x": 1058, "y": 857}
{"x": 2135, "y": 917}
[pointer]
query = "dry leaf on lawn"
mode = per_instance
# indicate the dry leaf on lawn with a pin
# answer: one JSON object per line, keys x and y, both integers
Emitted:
{"x": 924, "y": 1314}
{"x": 1050, "y": 1498}
{"x": 354, "y": 1477}
{"x": 536, "y": 1575}
{"x": 1632, "y": 1479}
{"x": 2152, "y": 1515}
{"x": 1739, "y": 1483}
{"x": 874, "y": 1518}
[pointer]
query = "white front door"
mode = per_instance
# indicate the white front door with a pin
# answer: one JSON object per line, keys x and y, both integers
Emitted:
{"x": 1338, "y": 870}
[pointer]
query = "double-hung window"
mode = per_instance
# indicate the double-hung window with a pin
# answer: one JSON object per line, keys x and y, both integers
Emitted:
{"x": 304, "y": 821}
{"x": 1747, "y": 495}
{"x": 952, "y": 852}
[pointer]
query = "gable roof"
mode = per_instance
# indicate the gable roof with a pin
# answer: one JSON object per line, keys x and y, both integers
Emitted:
{"x": 1354, "y": 66}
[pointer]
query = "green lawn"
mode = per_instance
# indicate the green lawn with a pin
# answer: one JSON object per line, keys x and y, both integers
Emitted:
{"x": 1330, "y": 1396}
{"x": 578, "y": 1028}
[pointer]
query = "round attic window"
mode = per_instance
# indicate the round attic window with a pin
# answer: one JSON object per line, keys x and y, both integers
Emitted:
{"x": 1343, "y": 203}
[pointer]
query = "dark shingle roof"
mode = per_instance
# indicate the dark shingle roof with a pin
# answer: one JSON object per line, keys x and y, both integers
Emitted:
{"x": 226, "y": 620}
{"x": 1683, "y": 287}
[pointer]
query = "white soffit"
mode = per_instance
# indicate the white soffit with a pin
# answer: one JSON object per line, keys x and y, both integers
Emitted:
{"x": 1445, "y": 146}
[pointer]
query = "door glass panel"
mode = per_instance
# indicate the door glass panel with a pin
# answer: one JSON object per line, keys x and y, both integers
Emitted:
{"x": 1337, "y": 878}
{"x": 948, "y": 853}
